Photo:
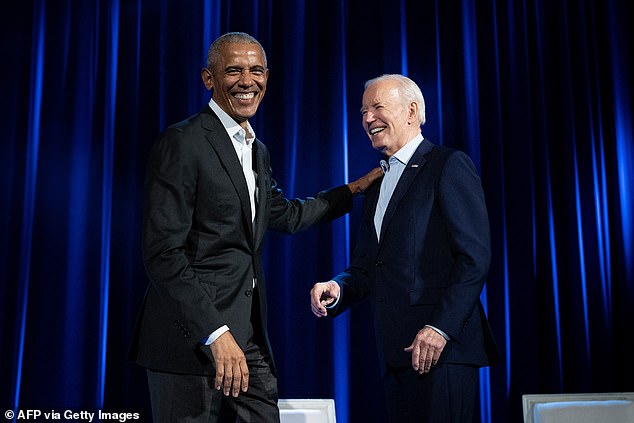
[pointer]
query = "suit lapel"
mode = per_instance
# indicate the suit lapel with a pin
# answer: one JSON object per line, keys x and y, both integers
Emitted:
{"x": 372, "y": 199}
{"x": 262, "y": 171}
{"x": 415, "y": 164}
{"x": 219, "y": 140}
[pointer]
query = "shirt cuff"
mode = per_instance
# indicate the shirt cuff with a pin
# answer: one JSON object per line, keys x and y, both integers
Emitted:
{"x": 216, "y": 334}
{"x": 444, "y": 335}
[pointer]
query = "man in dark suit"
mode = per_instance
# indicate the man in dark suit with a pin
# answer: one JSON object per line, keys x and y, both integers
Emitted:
{"x": 209, "y": 198}
{"x": 422, "y": 255}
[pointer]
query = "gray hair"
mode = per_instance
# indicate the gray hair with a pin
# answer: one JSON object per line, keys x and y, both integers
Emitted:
{"x": 407, "y": 89}
{"x": 230, "y": 38}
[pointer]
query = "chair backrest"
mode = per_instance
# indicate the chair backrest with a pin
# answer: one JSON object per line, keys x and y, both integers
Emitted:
{"x": 613, "y": 407}
{"x": 307, "y": 411}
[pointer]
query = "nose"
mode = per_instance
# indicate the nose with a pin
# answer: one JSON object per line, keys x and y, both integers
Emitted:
{"x": 368, "y": 117}
{"x": 246, "y": 79}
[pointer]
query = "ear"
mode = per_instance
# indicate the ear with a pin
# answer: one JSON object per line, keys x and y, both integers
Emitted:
{"x": 412, "y": 112}
{"x": 207, "y": 78}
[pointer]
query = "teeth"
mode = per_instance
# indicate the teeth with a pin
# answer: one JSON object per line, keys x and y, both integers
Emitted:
{"x": 375, "y": 131}
{"x": 245, "y": 96}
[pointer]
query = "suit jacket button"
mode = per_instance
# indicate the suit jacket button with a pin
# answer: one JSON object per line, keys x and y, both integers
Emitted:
{"x": 248, "y": 292}
{"x": 379, "y": 263}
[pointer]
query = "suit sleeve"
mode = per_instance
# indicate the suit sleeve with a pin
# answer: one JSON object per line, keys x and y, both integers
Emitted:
{"x": 354, "y": 285}
{"x": 291, "y": 216}
{"x": 355, "y": 280}
{"x": 170, "y": 191}
{"x": 463, "y": 208}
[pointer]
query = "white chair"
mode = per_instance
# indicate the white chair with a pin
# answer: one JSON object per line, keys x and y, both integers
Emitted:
{"x": 307, "y": 411}
{"x": 616, "y": 407}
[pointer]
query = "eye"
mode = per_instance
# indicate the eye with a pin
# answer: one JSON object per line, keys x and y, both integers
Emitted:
{"x": 233, "y": 72}
{"x": 257, "y": 71}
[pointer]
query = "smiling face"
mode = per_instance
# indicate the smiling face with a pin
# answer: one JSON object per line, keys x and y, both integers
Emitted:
{"x": 389, "y": 120}
{"x": 238, "y": 80}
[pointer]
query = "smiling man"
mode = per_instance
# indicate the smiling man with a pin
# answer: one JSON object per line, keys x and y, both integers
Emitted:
{"x": 209, "y": 199}
{"x": 422, "y": 255}
{"x": 389, "y": 121}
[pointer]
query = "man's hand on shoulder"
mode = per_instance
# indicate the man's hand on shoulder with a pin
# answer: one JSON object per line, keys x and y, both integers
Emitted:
{"x": 364, "y": 182}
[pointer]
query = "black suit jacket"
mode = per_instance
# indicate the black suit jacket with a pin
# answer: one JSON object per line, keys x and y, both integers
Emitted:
{"x": 431, "y": 262}
{"x": 200, "y": 247}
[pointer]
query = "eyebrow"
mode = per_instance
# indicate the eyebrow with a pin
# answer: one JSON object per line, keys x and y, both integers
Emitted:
{"x": 376, "y": 103}
{"x": 236, "y": 67}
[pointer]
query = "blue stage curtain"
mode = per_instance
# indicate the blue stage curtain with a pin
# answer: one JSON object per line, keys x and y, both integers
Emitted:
{"x": 539, "y": 93}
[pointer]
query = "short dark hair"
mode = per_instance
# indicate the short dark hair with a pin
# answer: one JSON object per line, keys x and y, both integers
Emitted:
{"x": 230, "y": 38}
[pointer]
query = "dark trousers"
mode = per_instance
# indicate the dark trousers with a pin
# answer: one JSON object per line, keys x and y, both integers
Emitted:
{"x": 178, "y": 398}
{"x": 446, "y": 394}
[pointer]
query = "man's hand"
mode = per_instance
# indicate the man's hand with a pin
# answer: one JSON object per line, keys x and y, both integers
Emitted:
{"x": 426, "y": 349}
{"x": 323, "y": 294}
{"x": 232, "y": 372}
{"x": 365, "y": 181}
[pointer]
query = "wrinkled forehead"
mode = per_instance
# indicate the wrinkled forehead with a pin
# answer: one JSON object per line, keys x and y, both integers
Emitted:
{"x": 250, "y": 53}
{"x": 380, "y": 92}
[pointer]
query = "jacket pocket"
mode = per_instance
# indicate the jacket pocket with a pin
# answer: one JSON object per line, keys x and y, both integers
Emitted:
{"x": 426, "y": 295}
{"x": 209, "y": 287}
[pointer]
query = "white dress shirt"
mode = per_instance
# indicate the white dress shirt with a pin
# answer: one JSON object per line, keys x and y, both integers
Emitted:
{"x": 243, "y": 143}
